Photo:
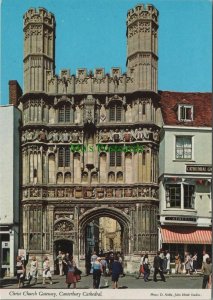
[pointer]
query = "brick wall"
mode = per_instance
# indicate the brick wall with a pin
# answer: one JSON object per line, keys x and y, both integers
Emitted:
{"x": 15, "y": 92}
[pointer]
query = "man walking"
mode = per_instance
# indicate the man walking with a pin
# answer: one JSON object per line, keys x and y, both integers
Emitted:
{"x": 158, "y": 267}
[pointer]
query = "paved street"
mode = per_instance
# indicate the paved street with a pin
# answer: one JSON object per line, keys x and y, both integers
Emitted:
{"x": 172, "y": 282}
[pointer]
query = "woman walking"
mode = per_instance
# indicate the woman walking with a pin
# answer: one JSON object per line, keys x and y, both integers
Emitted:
{"x": 117, "y": 270}
{"x": 146, "y": 268}
{"x": 194, "y": 262}
{"x": 33, "y": 270}
{"x": 187, "y": 263}
{"x": 71, "y": 277}
{"x": 46, "y": 271}
{"x": 97, "y": 270}
{"x": 20, "y": 270}
{"x": 177, "y": 263}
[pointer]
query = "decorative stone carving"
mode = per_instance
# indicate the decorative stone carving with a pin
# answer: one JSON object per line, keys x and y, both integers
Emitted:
{"x": 63, "y": 226}
{"x": 100, "y": 193}
{"x": 155, "y": 135}
{"x": 116, "y": 136}
{"x": 60, "y": 193}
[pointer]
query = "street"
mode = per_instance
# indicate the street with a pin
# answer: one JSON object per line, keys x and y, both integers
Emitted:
{"x": 130, "y": 282}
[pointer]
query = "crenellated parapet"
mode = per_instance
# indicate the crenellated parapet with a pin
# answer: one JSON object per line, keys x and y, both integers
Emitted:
{"x": 144, "y": 12}
{"x": 40, "y": 15}
{"x": 86, "y": 81}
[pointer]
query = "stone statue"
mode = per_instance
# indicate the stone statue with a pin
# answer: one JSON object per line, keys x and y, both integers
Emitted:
{"x": 30, "y": 135}
{"x": 127, "y": 136}
{"x": 155, "y": 135}
{"x": 102, "y": 114}
{"x": 75, "y": 136}
{"x": 103, "y": 136}
{"x": 42, "y": 135}
{"x": 55, "y": 136}
{"x": 138, "y": 134}
{"x": 65, "y": 137}
{"x": 129, "y": 113}
{"x": 146, "y": 133}
{"x": 77, "y": 115}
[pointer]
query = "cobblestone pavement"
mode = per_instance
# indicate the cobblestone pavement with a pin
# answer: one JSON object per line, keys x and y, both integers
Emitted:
{"x": 172, "y": 282}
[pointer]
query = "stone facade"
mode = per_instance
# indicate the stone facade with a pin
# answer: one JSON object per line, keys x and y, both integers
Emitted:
{"x": 70, "y": 122}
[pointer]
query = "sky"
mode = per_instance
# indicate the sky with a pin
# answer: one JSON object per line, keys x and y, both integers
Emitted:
{"x": 92, "y": 34}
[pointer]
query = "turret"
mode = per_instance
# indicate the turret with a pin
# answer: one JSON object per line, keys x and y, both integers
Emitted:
{"x": 39, "y": 48}
{"x": 142, "y": 59}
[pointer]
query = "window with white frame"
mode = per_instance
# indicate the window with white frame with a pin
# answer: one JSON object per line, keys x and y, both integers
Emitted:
{"x": 183, "y": 148}
{"x": 185, "y": 112}
{"x": 180, "y": 196}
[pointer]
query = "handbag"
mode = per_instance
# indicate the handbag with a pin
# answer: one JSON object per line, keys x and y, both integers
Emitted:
{"x": 141, "y": 269}
{"x": 77, "y": 271}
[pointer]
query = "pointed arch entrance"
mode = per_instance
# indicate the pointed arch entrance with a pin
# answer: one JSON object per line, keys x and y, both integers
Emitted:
{"x": 102, "y": 212}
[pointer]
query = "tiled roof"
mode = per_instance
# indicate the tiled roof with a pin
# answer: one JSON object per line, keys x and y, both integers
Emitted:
{"x": 202, "y": 108}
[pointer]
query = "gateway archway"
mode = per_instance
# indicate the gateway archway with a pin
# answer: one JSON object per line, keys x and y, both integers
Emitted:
{"x": 93, "y": 217}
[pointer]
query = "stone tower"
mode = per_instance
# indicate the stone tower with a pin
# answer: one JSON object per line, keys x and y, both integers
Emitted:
{"x": 39, "y": 48}
{"x": 142, "y": 59}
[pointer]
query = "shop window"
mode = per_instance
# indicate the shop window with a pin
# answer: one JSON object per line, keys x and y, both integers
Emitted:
{"x": 183, "y": 147}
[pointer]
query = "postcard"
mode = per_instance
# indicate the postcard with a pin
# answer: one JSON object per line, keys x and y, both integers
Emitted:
{"x": 106, "y": 134}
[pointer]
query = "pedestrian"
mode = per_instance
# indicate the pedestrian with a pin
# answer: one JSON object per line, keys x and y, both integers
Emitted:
{"x": 158, "y": 268}
{"x": 104, "y": 265}
{"x": 33, "y": 270}
{"x": 71, "y": 277}
{"x": 64, "y": 263}
{"x": 205, "y": 256}
{"x": 194, "y": 262}
{"x": 141, "y": 269}
{"x": 46, "y": 271}
{"x": 146, "y": 267}
{"x": 60, "y": 262}
{"x": 121, "y": 261}
{"x": 20, "y": 271}
{"x": 116, "y": 272}
{"x": 92, "y": 260}
{"x": 97, "y": 270}
{"x": 177, "y": 263}
{"x": 167, "y": 262}
{"x": 207, "y": 272}
{"x": 187, "y": 263}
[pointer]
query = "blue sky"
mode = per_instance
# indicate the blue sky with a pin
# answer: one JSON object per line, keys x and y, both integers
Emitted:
{"x": 92, "y": 33}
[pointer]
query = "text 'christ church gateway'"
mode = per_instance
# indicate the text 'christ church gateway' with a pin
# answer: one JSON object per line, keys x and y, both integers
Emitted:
{"x": 70, "y": 178}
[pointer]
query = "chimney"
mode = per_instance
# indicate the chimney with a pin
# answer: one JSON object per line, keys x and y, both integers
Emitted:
{"x": 15, "y": 92}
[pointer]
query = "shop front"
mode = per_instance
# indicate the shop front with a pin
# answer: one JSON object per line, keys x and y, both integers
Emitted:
{"x": 190, "y": 239}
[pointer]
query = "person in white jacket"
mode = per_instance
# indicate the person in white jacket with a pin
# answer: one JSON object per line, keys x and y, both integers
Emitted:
{"x": 167, "y": 262}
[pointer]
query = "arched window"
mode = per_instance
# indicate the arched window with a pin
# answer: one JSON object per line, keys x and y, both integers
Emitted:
{"x": 65, "y": 114}
{"x": 115, "y": 112}
{"x": 64, "y": 157}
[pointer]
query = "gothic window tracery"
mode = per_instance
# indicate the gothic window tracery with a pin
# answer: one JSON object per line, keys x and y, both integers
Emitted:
{"x": 115, "y": 112}
{"x": 65, "y": 114}
{"x": 64, "y": 157}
